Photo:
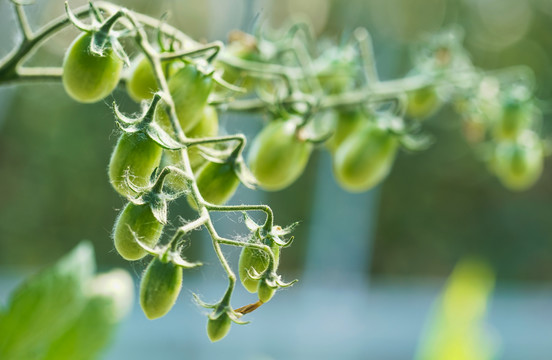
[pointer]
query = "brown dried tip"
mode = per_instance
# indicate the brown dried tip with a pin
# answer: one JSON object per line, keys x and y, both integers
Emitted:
{"x": 249, "y": 308}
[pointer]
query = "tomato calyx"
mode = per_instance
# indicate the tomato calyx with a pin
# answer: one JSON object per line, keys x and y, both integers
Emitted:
{"x": 222, "y": 316}
{"x": 270, "y": 232}
{"x": 144, "y": 124}
{"x": 154, "y": 194}
{"x": 103, "y": 35}
{"x": 170, "y": 252}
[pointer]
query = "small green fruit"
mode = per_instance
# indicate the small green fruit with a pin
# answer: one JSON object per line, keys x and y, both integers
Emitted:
{"x": 254, "y": 260}
{"x": 219, "y": 327}
{"x": 136, "y": 220}
{"x": 159, "y": 288}
{"x": 135, "y": 156}
{"x": 88, "y": 77}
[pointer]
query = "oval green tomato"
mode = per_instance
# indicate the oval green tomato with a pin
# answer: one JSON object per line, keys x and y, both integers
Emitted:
{"x": 142, "y": 84}
{"x": 136, "y": 221}
{"x": 217, "y": 182}
{"x": 347, "y": 123}
{"x": 277, "y": 157}
{"x": 518, "y": 164}
{"x": 135, "y": 156}
{"x": 88, "y": 77}
{"x": 265, "y": 292}
{"x": 190, "y": 89}
{"x": 218, "y": 328}
{"x": 365, "y": 158}
{"x": 423, "y": 102}
{"x": 514, "y": 118}
{"x": 254, "y": 260}
{"x": 159, "y": 288}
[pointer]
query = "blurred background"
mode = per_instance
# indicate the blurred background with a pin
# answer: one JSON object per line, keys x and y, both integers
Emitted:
{"x": 371, "y": 266}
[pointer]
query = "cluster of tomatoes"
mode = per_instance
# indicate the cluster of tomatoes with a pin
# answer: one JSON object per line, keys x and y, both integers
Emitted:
{"x": 506, "y": 120}
{"x": 153, "y": 164}
{"x": 147, "y": 168}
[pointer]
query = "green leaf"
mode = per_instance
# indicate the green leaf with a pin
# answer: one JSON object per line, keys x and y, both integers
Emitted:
{"x": 110, "y": 298}
{"x": 44, "y": 306}
{"x": 88, "y": 335}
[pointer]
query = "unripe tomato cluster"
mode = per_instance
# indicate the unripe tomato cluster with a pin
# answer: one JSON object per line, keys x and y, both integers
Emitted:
{"x": 505, "y": 119}
{"x": 174, "y": 149}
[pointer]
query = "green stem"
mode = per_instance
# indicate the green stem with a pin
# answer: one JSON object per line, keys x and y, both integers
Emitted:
{"x": 269, "y": 222}
{"x": 184, "y": 229}
{"x": 199, "y": 141}
{"x": 217, "y": 240}
{"x": 215, "y": 47}
{"x": 23, "y": 21}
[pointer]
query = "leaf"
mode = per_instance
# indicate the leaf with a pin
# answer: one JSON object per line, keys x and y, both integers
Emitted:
{"x": 88, "y": 334}
{"x": 111, "y": 298}
{"x": 45, "y": 305}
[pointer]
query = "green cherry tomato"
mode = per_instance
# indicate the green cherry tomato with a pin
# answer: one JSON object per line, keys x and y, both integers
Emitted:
{"x": 159, "y": 288}
{"x": 190, "y": 89}
{"x": 518, "y": 164}
{"x": 254, "y": 260}
{"x": 136, "y": 220}
{"x": 277, "y": 156}
{"x": 515, "y": 117}
{"x": 347, "y": 122}
{"x": 208, "y": 124}
{"x": 142, "y": 84}
{"x": 217, "y": 182}
{"x": 365, "y": 158}
{"x": 423, "y": 102}
{"x": 218, "y": 328}
{"x": 136, "y": 155}
{"x": 88, "y": 77}
{"x": 265, "y": 292}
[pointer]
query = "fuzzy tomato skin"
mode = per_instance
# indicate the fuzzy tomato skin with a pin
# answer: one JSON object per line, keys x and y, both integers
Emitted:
{"x": 142, "y": 84}
{"x": 136, "y": 154}
{"x": 265, "y": 292}
{"x": 159, "y": 288}
{"x": 365, "y": 158}
{"x": 518, "y": 164}
{"x": 254, "y": 260}
{"x": 140, "y": 220}
{"x": 87, "y": 77}
{"x": 217, "y": 182}
{"x": 277, "y": 157}
{"x": 218, "y": 328}
{"x": 190, "y": 89}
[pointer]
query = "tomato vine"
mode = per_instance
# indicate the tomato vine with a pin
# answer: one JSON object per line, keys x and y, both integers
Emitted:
{"x": 313, "y": 95}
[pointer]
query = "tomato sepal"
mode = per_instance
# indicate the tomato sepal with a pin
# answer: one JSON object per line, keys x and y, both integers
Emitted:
{"x": 145, "y": 124}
